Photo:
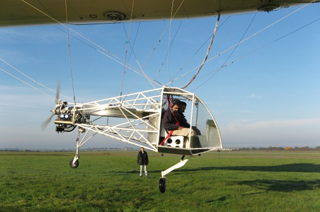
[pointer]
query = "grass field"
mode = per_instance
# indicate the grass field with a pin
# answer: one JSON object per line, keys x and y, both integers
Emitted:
{"x": 109, "y": 181}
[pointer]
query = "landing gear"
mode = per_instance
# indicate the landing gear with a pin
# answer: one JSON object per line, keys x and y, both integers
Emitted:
{"x": 74, "y": 163}
{"x": 162, "y": 184}
{"x": 162, "y": 181}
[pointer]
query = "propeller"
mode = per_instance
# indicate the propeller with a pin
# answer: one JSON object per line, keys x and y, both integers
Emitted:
{"x": 57, "y": 101}
{"x": 46, "y": 122}
{"x": 57, "y": 93}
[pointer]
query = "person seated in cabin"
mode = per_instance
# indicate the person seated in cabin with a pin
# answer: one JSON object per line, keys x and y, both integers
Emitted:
{"x": 180, "y": 116}
{"x": 170, "y": 121}
{"x": 182, "y": 119}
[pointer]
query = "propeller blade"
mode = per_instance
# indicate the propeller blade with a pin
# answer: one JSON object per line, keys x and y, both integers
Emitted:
{"x": 46, "y": 122}
{"x": 58, "y": 93}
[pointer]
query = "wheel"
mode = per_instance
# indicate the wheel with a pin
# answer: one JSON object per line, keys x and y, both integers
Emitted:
{"x": 162, "y": 185}
{"x": 75, "y": 164}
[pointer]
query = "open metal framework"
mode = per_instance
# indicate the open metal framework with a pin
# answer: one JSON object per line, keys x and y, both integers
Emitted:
{"x": 133, "y": 119}
{"x": 137, "y": 119}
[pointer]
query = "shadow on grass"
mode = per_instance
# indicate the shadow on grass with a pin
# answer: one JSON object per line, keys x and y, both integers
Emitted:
{"x": 137, "y": 171}
{"x": 224, "y": 198}
{"x": 295, "y": 167}
{"x": 282, "y": 185}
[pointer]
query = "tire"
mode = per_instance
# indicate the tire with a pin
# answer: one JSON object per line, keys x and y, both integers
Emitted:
{"x": 74, "y": 165}
{"x": 162, "y": 185}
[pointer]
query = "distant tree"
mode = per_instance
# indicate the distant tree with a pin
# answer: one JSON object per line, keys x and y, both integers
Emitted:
{"x": 275, "y": 148}
{"x": 303, "y": 148}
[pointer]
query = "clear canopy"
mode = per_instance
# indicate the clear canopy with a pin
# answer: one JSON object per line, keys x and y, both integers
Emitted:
{"x": 205, "y": 135}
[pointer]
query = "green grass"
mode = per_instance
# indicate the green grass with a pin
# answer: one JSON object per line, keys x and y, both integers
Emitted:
{"x": 109, "y": 181}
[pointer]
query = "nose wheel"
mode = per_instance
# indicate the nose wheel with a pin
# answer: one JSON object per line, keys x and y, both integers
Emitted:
{"x": 162, "y": 184}
{"x": 74, "y": 163}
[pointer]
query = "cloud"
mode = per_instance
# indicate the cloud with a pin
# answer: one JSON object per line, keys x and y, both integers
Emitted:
{"x": 18, "y": 101}
{"x": 254, "y": 96}
{"x": 274, "y": 124}
{"x": 296, "y": 132}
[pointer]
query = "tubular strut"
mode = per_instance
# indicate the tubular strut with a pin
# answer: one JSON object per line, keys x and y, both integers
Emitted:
{"x": 76, "y": 157}
{"x": 176, "y": 166}
{"x": 206, "y": 57}
{"x": 80, "y": 142}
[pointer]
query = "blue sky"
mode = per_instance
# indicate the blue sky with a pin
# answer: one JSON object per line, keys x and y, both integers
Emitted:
{"x": 269, "y": 97}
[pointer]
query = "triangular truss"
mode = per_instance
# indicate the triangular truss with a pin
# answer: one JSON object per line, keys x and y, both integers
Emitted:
{"x": 137, "y": 117}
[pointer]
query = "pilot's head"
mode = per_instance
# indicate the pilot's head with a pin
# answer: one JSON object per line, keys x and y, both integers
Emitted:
{"x": 175, "y": 105}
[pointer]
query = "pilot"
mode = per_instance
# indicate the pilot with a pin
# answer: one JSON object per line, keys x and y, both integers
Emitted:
{"x": 170, "y": 121}
{"x": 180, "y": 116}
{"x": 182, "y": 119}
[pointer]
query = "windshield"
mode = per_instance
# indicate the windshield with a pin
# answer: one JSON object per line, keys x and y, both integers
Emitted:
{"x": 205, "y": 127}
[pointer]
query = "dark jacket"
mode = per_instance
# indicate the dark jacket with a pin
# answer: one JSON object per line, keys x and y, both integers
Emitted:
{"x": 168, "y": 121}
{"x": 182, "y": 120}
{"x": 143, "y": 158}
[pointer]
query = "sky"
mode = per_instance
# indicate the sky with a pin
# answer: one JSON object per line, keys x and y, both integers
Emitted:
{"x": 266, "y": 93}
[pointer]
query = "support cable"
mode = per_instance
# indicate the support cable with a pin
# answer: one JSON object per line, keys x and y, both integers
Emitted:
{"x": 113, "y": 57}
{"x": 134, "y": 42}
{"x": 141, "y": 68}
{"x": 258, "y": 49}
{"x": 26, "y": 83}
{"x": 69, "y": 50}
{"x": 169, "y": 38}
{"x": 127, "y": 46}
{"x": 225, "y": 62}
{"x": 77, "y": 33}
{"x": 199, "y": 48}
{"x": 33, "y": 80}
{"x": 159, "y": 40}
{"x": 154, "y": 48}
{"x": 246, "y": 39}
{"x": 168, "y": 50}
{"x": 208, "y": 51}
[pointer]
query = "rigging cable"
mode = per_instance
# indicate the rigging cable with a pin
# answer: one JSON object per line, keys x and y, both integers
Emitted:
{"x": 134, "y": 42}
{"x": 169, "y": 49}
{"x": 69, "y": 50}
{"x": 113, "y": 57}
{"x": 26, "y": 83}
{"x": 77, "y": 33}
{"x": 239, "y": 58}
{"x": 141, "y": 69}
{"x": 126, "y": 53}
{"x": 206, "y": 57}
{"x": 169, "y": 37}
{"x": 159, "y": 40}
{"x": 246, "y": 39}
{"x": 200, "y": 48}
{"x": 33, "y": 80}
{"x": 132, "y": 69}
{"x": 224, "y": 63}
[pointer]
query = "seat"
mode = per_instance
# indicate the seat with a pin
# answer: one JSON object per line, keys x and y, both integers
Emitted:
{"x": 176, "y": 141}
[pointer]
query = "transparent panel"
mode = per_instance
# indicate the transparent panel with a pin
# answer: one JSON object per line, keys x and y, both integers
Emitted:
{"x": 194, "y": 117}
{"x": 205, "y": 127}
